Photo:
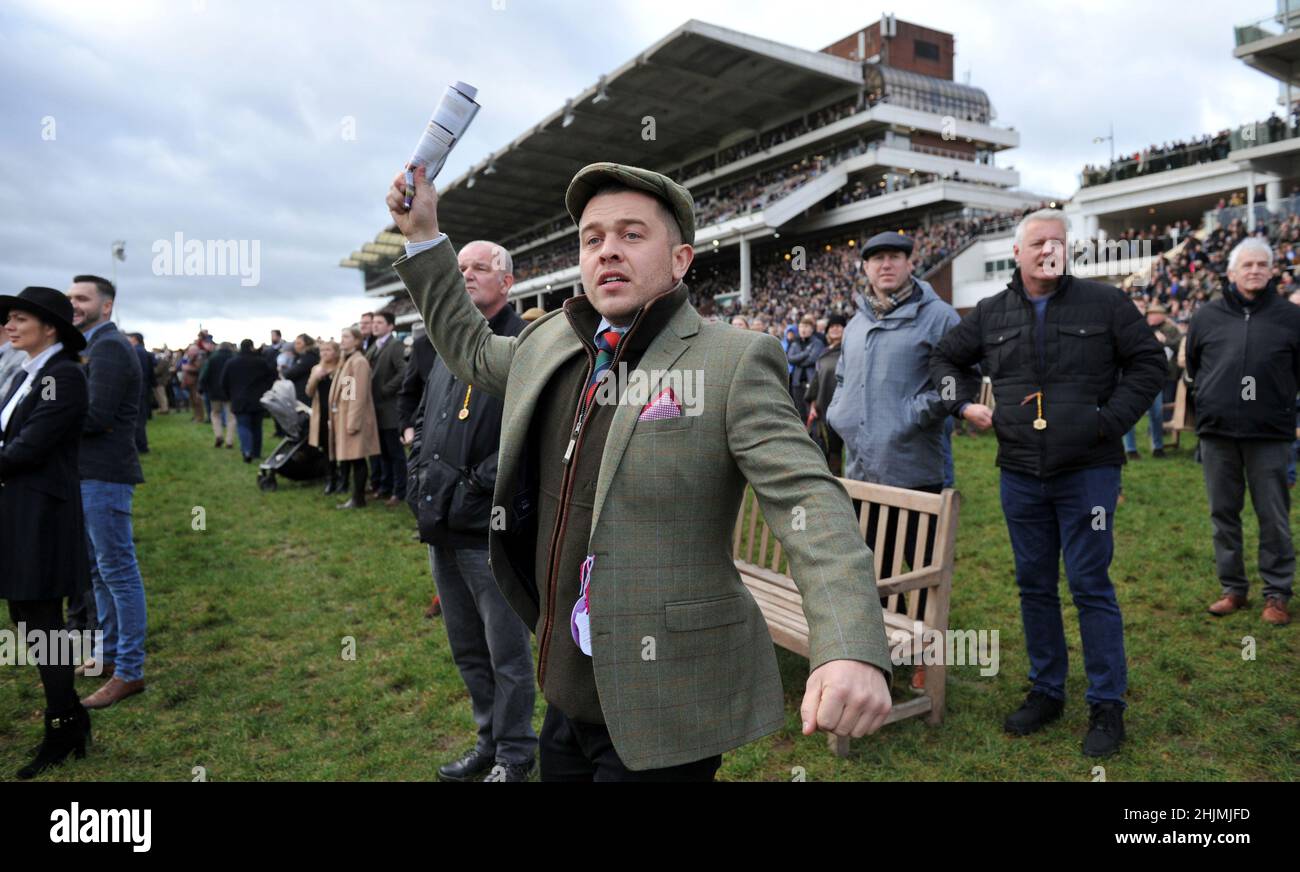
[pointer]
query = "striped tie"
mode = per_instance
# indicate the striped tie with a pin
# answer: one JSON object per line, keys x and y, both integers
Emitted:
{"x": 606, "y": 346}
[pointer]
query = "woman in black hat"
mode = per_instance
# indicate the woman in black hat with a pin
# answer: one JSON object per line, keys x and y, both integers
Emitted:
{"x": 42, "y": 533}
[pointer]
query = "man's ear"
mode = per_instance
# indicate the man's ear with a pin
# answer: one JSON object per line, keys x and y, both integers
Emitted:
{"x": 683, "y": 256}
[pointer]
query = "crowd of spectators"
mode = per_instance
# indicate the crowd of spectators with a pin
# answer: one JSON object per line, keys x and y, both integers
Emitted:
{"x": 769, "y": 138}
{"x": 1189, "y": 152}
{"x": 1158, "y": 158}
{"x": 1198, "y": 273}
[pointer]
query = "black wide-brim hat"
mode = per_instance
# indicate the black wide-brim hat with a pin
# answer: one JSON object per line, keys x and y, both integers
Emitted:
{"x": 50, "y": 306}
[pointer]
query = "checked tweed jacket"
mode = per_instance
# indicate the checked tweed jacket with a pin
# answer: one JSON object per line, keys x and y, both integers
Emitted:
{"x": 666, "y": 501}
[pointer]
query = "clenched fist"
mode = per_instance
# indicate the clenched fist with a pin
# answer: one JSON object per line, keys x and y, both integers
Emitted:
{"x": 846, "y": 697}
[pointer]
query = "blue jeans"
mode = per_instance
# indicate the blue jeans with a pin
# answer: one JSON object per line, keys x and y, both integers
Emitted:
{"x": 1062, "y": 515}
{"x": 1155, "y": 423}
{"x": 115, "y": 575}
{"x": 249, "y": 427}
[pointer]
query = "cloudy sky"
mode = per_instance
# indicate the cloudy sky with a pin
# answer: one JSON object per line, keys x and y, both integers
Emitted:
{"x": 226, "y": 119}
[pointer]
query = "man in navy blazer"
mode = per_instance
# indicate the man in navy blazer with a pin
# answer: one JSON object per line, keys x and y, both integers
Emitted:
{"x": 110, "y": 470}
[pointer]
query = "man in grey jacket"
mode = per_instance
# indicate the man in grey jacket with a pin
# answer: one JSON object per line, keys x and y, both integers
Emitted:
{"x": 885, "y": 407}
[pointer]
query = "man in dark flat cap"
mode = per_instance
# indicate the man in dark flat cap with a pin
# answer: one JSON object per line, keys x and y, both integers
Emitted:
{"x": 614, "y": 510}
{"x": 885, "y": 408}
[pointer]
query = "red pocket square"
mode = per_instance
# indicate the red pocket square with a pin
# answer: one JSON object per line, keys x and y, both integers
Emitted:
{"x": 662, "y": 406}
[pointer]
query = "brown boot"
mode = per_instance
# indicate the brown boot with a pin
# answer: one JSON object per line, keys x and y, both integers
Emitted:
{"x": 1227, "y": 604}
{"x": 113, "y": 691}
{"x": 1275, "y": 611}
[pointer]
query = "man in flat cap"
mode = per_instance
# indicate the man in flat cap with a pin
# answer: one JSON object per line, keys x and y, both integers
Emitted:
{"x": 614, "y": 509}
{"x": 885, "y": 408}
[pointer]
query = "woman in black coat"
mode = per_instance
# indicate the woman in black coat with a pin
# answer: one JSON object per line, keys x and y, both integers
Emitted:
{"x": 42, "y": 532}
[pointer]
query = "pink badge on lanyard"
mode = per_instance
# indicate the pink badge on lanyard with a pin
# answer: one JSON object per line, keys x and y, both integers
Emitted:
{"x": 580, "y": 617}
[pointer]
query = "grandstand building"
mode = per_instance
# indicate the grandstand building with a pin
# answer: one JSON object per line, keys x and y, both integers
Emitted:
{"x": 1258, "y": 163}
{"x": 791, "y": 154}
{"x": 1250, "y": 174}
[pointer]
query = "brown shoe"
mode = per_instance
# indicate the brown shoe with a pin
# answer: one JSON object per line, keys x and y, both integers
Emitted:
{"x": 89, "y": 666}
{"x": 113, "y": 691}
{"x": 434, "y": 609}
{"x": 393, "y": 502}
{"x": 1275, "y": 611}
{"x": 1227, "y": 604}
{"x": 918, "y": 679}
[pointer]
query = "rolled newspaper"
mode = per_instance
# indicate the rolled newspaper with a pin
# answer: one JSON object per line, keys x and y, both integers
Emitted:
{"x": 449, "y": 122}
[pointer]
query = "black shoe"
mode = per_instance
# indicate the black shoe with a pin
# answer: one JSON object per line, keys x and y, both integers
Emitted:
{"x": 1159, "y": 452}
{"x": 467, "y": 768}
{"x": 1133, "y": 455}
{"x": 1105, "y": 730}
{"x": 511, "y": 771}
{"x": 65, "y": 733}
{"x": 217, "y": 443}
{"x": 248, "y": 458}
{"x": 1037, "y": 711}
{"x": 354, "y": 504}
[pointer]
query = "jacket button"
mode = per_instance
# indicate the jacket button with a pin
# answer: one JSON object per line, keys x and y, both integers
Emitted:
{"x": 428, "y": 498}
{"x": 1000, "y": 338}
{"x": 435, "y": 457}
{"x": 1081, "y": 330}
{"x": 444, "y": 414}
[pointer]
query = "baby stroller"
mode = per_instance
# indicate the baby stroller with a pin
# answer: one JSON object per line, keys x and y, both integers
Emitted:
{"x": 293, "y": 457}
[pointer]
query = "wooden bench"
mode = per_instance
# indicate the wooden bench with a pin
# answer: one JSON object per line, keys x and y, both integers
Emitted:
{"x": 763, "y": 569}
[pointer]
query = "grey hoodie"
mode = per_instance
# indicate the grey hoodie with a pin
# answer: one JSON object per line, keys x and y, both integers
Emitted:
{"x": 885, "y": 409}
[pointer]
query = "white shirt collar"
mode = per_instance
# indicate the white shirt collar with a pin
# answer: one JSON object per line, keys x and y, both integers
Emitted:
{"x": 33, "y": 364}
{"x": 605, "y": 325}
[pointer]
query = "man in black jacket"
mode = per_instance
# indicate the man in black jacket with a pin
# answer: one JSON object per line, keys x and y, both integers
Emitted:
{"x": 1073, "y": 367}
{"x": 387, "y": 357}
{"x": 410, "y": 399}
{"x": 110, "y": 470}
{"x": 147, "y": 382}
{"x": 223, "y": 417}
{"x": 411, "y": 395}
{"x": 456, "y": 436}
{"x": 1243, "y": 359}
{"x": 244, "y": 380}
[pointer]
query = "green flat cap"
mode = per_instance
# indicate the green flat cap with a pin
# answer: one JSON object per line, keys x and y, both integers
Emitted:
{"x": 590, "y": 178}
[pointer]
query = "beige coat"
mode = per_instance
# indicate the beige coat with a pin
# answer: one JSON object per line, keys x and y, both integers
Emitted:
{"x": 354, "y": 431}
{"x": 314, "y": 436}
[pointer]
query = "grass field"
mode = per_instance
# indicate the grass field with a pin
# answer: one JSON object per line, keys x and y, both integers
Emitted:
{"x": 248, "y": 618}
